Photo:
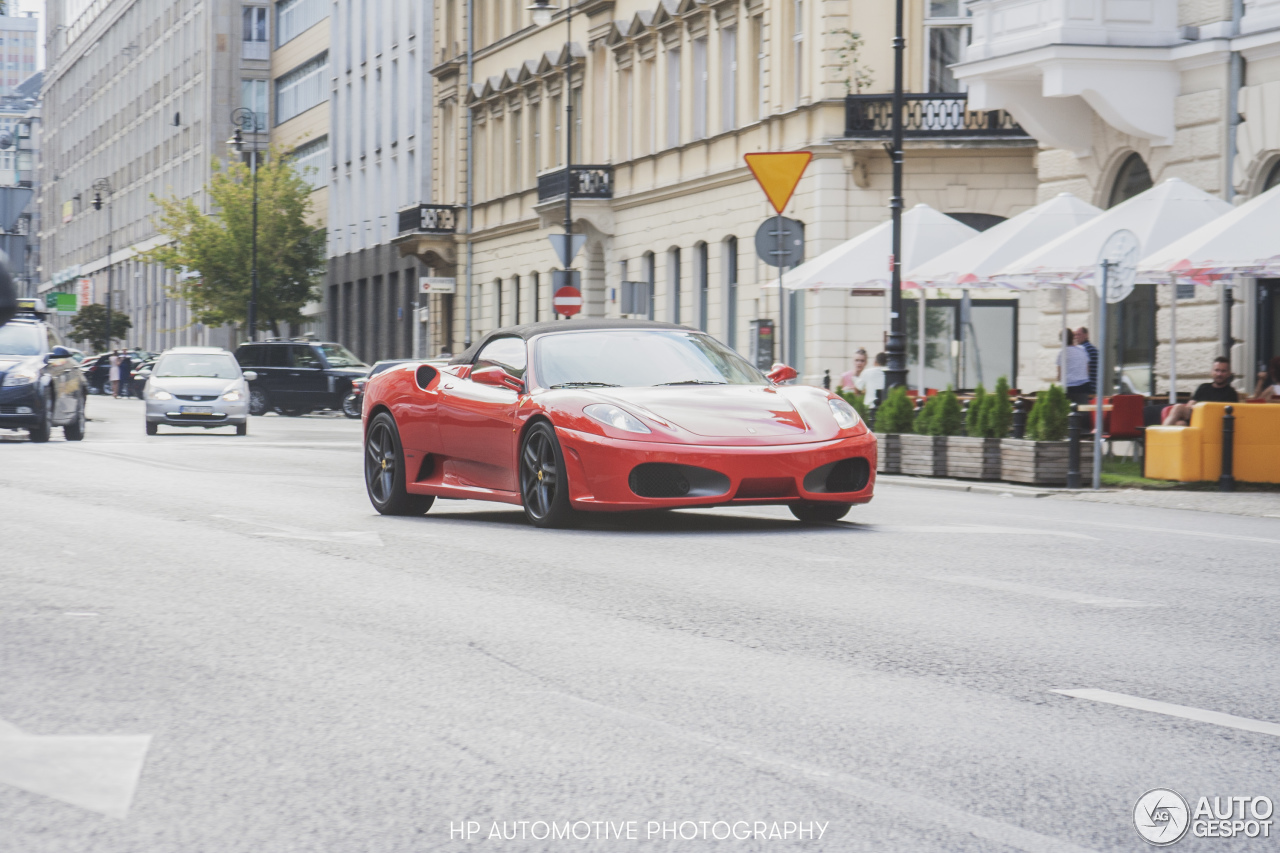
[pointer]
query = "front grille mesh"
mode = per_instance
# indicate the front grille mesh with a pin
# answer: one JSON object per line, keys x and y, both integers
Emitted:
{"x": 657, "y": 480}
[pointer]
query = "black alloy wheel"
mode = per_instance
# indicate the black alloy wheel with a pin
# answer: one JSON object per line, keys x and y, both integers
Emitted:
{"x": 351, "y": 405}
{"x": 259, "y": 402}
{"x": 384, "y": 473}
{"x": 74, "y": 429}
{"x": 40, "y": 432}
{"x": 544, "y": 485}
{"x": 815, "y": 512}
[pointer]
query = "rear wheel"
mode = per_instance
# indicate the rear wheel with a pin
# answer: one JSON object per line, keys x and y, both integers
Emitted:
{"x": 544, "y": 485}
{"x": 259, "y": 402}
{"x": 814, "y": 512}
{"x": 152, "y": 429}
{"x": 351, "y": 405}
{"x": 74, "y": 431}
{"x": 242, "y": 429}
{"x": 384, "y": 474}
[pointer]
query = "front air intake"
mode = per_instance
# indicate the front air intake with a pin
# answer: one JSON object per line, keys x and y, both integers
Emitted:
{"x": 665, "y": 480}
{"x": 846, "y": 475}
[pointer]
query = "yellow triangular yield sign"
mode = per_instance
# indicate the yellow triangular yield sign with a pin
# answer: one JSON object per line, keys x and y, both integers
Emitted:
{"x": 778, "y": 172}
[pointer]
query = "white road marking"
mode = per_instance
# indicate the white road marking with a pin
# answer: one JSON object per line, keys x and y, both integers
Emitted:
{"x": 983, "y": 529}
{"x": 1044, "y": 592}
{"x": 97, "y": 773}
{"x": 914, "y": 807}
{"x": 76, "y": 613}
{"x": 282, "y": 531}
{"x": 1200, "y": 715}
{"x": 1182, "y": 531}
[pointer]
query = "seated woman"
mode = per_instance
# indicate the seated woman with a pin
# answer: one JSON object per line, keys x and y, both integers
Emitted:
{"x": 1268, "y": 390}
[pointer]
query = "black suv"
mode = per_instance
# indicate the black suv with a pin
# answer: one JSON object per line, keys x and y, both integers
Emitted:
{"x": 41, "y": 386}
{"x": 296, "y": 377}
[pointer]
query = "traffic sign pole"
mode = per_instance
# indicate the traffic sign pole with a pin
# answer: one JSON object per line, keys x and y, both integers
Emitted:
{"x": 1103, "y": 371}
{"x": 778, "y": 173}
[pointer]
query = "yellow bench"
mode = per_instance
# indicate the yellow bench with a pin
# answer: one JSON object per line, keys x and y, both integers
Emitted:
{"x": 1194, "y": 452}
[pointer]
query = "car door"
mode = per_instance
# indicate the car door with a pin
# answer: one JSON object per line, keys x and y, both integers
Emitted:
{"x": 308, "y": 384}
{"x": 476, "y": 420}
{"x": 60, "y": 376}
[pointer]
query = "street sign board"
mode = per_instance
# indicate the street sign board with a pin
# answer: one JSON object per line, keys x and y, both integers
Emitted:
{"x": 1121, "y": 251}
{"x": 566, "y": 249}
{"x": 778, "y": 172}
{"x": 567, "y": 301}
{"x": 84, "y": 290}
{"x": 792, "y": 243}
{"x": 435, "y": 284}
{"x": 62, "y": 303}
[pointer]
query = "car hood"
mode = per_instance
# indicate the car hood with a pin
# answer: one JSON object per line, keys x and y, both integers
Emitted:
{"x": 717, "y": 411}
{"x": 196, "y": 386}
{"x": 9, "y": 361}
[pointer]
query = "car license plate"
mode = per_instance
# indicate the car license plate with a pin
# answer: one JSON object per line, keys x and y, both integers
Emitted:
{"x": 197, "y": 410}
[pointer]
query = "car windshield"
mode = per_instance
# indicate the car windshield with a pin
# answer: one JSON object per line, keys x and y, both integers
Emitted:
{"x": 339, "y": 356}
{"x": 640, "y": 357}
{"x": 205, "y": 365}
{"x": 19, "y": 339}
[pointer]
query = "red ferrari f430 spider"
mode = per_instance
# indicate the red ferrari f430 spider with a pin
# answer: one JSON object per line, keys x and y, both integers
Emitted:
{"x": 606, "y": 416}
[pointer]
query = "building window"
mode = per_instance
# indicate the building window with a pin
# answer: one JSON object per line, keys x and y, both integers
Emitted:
{"x": 728, "y": 78}
{"x": 253, "y": 96}
{"x": 651, "y": 276}
{"x": 312, "y": 161}
{"x": 673, "y": 280}
{"x": 517, "y": 150}
{"x": 947, "y": 29}
{"x": 535, "y": 128}
{"x": 1132, "y": 178}
{"x": 302, "y": 88}
{"x": 757, "y": 66}
{"x": 797, "y": 51}
{"x": 557, "y": 117}
{"x": 731, "y": 292}
{"x": 703, "y": 285}
{"x": 294, "y": 17}
{"x": 624, "y": 114}
{"x": 255, "y": 23}
{"x": 700, "y": 88}
{"x": 576, "y": 103}
{"x": 649, "y": 97}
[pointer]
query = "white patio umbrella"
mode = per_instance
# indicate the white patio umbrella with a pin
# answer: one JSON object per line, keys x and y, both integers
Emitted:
{"x": 1243, "y": 241}
{"x": 1163, "y": 214}
{"x": 863, "y": 262}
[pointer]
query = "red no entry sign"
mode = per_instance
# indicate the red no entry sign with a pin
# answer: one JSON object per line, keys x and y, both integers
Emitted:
{"x": 567, "y": 301}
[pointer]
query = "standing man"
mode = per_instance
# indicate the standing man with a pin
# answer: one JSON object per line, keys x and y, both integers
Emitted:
{"x": 871, "y": 382}
{"x": 1082, "y": 340}
{"x": 1073, "y": 370}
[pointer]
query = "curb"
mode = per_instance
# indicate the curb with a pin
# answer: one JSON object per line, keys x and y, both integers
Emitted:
{"x": 977, "y": 488}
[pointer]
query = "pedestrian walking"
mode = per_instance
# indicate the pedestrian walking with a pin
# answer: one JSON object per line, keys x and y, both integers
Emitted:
{"x": 1073, "y": 370}
{"x": 126, "y": 373}
{"x": 1081, "y": 339}
{"x": 114, "y": 375}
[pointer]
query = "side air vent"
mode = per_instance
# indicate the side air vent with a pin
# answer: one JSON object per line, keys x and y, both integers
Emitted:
{"x": 665, "y": 480}
{"x": 425, "y": 374}
{"x": 847, "y": 475}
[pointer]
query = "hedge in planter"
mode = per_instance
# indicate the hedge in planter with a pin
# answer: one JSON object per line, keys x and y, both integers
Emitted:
{"x": 976, "y": 456}
{"x": 1041, "y": 458}
{"x": 926, "y": 452}
{"x": 893, "y": 417}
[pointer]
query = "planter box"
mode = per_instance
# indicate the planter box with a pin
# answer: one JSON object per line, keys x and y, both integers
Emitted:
{"x": 924, "y": 455}
{"x": 1041, "y": 463}
{"x": 973, "y": 458}
{"x": 888, "y": 454}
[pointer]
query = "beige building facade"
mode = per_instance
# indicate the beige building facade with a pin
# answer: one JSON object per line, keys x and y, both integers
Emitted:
{"x": 667, "y": 98}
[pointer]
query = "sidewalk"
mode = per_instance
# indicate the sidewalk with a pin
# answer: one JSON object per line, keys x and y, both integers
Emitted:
{"x": 1255, "y": 504}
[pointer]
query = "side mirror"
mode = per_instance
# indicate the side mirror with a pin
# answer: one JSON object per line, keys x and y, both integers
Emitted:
{"x": 497, "y": 377}
{"x": 250, "y": 376}
{"x": 60, "y": 352}
{"x": 781, "y": 373}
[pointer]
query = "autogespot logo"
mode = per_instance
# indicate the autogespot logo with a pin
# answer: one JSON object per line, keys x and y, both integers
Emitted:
{"x": 1161, "y": 817}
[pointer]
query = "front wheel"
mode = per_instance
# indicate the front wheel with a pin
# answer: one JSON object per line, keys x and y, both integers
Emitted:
{"x": 815, "y": 512}
{"x": 40, "y": 432}
{"x": 384, "y": 474}
{"x": 544, "y": 485}
{"x": 351, "y": 405}
{"x": 259, "y": 403}
{"x": 242, "y": 429}
{"x": 74, "y": 430}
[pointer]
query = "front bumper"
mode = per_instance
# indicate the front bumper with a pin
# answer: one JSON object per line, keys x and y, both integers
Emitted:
{"x": 600, "y": 468}
{"x": 223, "y": 414}
{"x": 20, "y": 406}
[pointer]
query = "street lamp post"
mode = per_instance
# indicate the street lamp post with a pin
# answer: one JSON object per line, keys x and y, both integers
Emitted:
{"x": 102, "y": 187}
{"x": 897, "y": 346}
{"x": 246, "y": 121}
{"x": 542, "y": 12}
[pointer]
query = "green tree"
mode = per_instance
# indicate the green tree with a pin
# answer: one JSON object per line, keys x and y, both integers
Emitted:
{"x": 973, "y": 418}
{"x": 997, "y": 416}
{"x": 89, "y": 325}
{"x": 895, "y": 414}
{"x": 216, "y": 248}
{"x": 1048, "y": 418}
{"x": 950, "y": 418}
{"x": 857, "y": 75}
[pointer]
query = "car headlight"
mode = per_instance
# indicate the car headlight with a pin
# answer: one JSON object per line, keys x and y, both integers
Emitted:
{"x": 233, "y": 396}
{"x": 845, "y": 415}
{"x": 159, "y": 395}
{"x": 21, "y": 376}
{"x": 614, "y": 417}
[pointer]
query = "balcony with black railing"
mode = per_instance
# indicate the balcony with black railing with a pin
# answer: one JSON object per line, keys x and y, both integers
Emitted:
{"x": 428, "y": 219}
{"x": 583, "y": 182}
{"x": 937, "y": 115}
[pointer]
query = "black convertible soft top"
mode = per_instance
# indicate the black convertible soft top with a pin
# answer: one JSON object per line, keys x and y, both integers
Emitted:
{"x": 529, "y": 330}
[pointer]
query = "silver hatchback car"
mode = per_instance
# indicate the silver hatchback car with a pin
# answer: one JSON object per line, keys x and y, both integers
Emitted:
{"x": 197, "y": 387}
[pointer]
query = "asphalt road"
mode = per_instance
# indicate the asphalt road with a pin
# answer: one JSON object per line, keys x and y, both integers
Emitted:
{"x": 212, "y": 643}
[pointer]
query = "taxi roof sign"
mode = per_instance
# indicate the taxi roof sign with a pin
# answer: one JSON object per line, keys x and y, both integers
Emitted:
{"x": 30, "y": 306}
{"x": 778, "y": 173}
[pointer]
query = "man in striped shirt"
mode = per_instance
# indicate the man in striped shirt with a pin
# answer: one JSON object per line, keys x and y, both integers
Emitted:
{"x": 1082, "y": 340}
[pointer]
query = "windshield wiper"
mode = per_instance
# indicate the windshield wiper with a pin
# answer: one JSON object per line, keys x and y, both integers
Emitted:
{"x": 692, "y": 382}
{"x": 585, "y": 385}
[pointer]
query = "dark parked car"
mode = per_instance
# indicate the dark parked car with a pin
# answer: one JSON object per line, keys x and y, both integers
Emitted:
{"x": 296, "y": 377}
{"x": 40, "y": 383}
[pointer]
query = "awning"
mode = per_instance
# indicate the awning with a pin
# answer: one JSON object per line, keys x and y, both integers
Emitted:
{"x": 1243, "y": 241}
